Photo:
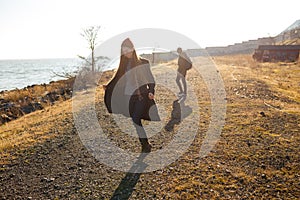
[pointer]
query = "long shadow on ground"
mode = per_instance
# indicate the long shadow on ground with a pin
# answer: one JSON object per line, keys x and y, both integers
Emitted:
{"x": 128, "y": 183}
{"x": 179, "y": 112}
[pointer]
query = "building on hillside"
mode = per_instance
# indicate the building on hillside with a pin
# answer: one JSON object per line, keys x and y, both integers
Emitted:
{"x": 246, "y": 47}
{"x": 159, "y": 57}
{"x": 275, "y": 53}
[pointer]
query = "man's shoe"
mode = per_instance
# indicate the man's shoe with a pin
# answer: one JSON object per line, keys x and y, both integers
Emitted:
{"x": 180, "y": 94}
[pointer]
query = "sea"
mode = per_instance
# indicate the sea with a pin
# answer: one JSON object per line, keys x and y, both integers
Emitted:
{"x": 22, "y": 73}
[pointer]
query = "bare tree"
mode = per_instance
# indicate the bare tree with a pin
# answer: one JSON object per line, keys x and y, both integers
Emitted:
{"x": 90, "y": 34}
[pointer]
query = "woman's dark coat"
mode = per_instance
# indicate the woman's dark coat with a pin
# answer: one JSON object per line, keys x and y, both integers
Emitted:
{"x": 117, "y": 102}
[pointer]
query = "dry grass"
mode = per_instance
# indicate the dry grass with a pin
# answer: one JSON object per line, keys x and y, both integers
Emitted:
{"x": 34, "y": 128}
{"x": 257, "y": 156}
{"x": 295, "y": 41}
{"x": 282, "y": 78}
{"x": 39, "y": 126}
{"x": 36, "y": 91}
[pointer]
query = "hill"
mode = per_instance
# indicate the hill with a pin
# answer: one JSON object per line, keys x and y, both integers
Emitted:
{"x": 257, "y": 156}
{"x": 290, "y": 35}
{"x": 292, "y": 27}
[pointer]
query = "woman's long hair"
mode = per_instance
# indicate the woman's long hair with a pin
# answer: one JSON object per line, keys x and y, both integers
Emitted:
{"x": 135, "y": 60}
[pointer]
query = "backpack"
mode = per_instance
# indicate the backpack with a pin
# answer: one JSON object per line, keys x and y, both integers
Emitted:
{"x": 188, "y": 65}
{"x": 187, "y": 62}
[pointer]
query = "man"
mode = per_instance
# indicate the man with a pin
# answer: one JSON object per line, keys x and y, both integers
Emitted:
{"x": 184, "y": 64}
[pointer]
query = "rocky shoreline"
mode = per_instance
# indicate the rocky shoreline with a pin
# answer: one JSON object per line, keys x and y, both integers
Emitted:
{"x": 19, "y": 102}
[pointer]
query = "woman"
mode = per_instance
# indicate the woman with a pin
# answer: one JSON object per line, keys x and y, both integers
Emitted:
{"x": 131, "y": 91}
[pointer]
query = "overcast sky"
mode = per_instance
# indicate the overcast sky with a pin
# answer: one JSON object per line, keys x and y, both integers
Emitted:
{"x": 51, "y": 28}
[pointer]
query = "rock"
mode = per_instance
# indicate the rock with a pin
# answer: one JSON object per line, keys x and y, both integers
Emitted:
{"x": 3, "y": 101}
{"x": 28, "y": 109}
{"x": 33, "y": 106}
{"x": 248, "y": 143}
{"x": 4, "y": 119}
{"x": 38, "y": 106}
{"x": 7, "y": 105}
{"x": 48, "y": 180}
{"x": 262, "y": 114}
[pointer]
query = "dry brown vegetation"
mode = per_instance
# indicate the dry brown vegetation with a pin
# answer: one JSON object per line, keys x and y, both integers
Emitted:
{"x": 295, "y": 41}
{"x": 257, "y": 156}
{"x": 19, "y": 102}
{"x": 35, "y": 91}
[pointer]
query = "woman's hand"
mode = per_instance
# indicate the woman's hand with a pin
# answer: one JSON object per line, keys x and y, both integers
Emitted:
{"x": 151, "y": 95}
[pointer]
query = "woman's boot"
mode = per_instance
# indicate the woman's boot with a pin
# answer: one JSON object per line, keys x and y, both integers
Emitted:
{"x": 146, "y": 147}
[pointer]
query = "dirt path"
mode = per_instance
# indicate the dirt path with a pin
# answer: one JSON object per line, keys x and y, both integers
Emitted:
{"x": 256, "y": 157}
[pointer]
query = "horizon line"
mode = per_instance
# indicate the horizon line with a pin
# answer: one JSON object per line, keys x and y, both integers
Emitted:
{"x": 43, "y": 58}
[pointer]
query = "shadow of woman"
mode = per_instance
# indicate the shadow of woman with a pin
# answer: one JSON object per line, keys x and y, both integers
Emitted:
{"x": 128, "y": 183}
{"x": 179, "y": 112}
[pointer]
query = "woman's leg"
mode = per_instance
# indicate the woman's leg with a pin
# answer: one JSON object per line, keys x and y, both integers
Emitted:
{"x": 139, "y": 104}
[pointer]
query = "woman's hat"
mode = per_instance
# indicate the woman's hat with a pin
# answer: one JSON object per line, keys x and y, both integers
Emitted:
{"x": 127, "y": 43}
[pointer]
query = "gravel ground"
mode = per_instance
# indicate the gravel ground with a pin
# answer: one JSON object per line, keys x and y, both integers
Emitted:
{"x": 256, "y": 156}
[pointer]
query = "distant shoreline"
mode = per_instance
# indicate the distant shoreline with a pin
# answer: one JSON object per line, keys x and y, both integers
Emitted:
{"x": 32, "y": 85}
{"x": 12, "y": 59}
